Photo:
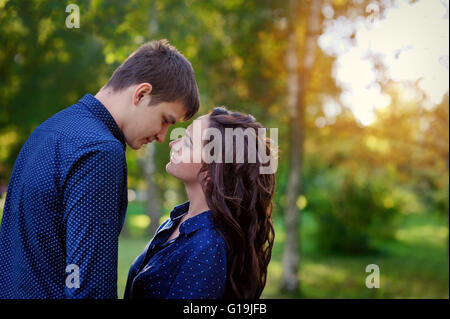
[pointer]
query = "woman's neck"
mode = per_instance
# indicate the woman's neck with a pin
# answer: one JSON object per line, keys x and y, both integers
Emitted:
{"x": 197, "y": 200}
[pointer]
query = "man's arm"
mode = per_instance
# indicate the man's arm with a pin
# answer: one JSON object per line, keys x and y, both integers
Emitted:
{"x": 92, "y": 195}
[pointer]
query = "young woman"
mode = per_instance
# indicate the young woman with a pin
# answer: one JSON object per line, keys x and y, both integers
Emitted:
{"x": 218, "y": 244}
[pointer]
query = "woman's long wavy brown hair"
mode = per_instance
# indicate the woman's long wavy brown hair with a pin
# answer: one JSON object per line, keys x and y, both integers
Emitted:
{"x": 240, "y": 198}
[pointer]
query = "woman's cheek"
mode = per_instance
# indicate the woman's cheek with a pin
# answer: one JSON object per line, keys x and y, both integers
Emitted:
{"x": 186, "y": 172}
{"x": 189, "y": 171}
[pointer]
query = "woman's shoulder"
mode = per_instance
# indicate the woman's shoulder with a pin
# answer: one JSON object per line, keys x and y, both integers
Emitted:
{"x": 206, "y": 230}
{"x": 207, "y": 239}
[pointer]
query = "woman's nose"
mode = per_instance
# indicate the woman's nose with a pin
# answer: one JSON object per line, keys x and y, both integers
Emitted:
{"x": 173, "y": 142}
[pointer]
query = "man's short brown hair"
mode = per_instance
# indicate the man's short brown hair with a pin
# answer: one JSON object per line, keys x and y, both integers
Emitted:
{"x": 167, "y": 70}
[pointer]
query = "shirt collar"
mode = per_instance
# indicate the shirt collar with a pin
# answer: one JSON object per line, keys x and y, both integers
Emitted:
{"x": 179, "y": 210}
{"x": 192, "y": 224}
{"x": 101, "y": 112}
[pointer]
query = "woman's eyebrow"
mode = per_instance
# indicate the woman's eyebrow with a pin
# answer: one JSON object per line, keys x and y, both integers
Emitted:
{"x": 187, "y": 133}
{"x": 171, "y": 118}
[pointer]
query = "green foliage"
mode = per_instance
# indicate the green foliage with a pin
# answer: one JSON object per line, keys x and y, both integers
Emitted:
{"x": 350, "y": 212}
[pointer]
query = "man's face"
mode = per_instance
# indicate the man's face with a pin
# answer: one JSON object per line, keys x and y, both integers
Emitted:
{"x": 150, "y": 123}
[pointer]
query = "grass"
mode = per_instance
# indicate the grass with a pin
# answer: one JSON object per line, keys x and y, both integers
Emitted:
{"x": 414, "y": 265}
{"x": 129, "y": 249}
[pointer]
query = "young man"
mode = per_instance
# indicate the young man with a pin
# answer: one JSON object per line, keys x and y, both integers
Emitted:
{"x": 67, "y": 195}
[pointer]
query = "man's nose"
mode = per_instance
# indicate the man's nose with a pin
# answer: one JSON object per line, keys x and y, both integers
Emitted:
{"x": 160, "y": 137}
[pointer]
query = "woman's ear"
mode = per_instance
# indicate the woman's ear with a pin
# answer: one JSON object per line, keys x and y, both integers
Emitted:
{"x": 203, "y": 177}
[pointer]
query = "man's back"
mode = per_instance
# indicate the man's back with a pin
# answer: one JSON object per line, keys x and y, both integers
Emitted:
{"x": 65, "y": 205}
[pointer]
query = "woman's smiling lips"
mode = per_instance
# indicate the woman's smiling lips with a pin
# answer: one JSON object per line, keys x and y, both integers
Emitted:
{"x": 174, "y": 158}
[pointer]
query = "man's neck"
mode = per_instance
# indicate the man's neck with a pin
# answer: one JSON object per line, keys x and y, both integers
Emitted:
{"x": 111, "y": 101}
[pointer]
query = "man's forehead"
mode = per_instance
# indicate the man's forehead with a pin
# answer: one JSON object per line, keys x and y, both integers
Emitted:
{"x": 176, "y": 110}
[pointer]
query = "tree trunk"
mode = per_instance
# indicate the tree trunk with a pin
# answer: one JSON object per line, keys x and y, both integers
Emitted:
{"x": 297, "y": 86}
{"x": 153, "y": 204}
{"x": 291, "y": 256}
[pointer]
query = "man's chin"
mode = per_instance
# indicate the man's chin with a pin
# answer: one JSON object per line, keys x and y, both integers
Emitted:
{"x": 135, "y": 146}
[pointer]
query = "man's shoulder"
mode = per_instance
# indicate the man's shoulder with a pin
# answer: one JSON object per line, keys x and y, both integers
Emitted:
{"x": 76, "y": 130}
{"x": 64, "y": 119}
{"x": 76, "y": 134}
{"x": 75, "y": 121}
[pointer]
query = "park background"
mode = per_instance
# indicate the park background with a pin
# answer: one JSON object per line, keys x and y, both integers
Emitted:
{"x": 357, "y": 89}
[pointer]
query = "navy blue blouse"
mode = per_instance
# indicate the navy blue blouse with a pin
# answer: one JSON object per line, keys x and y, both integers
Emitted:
{"x": 191, "y": 266}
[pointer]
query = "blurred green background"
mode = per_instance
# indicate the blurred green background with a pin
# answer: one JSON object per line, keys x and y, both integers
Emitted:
{"x": 362, "y": 123}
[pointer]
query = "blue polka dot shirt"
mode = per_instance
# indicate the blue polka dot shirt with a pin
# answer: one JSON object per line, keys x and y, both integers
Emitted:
{"x": 65, "y": 207}
{"x": 191, "y": 266}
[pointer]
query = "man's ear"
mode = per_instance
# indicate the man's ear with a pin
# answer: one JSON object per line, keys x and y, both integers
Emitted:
{"x": 142, "y": 92}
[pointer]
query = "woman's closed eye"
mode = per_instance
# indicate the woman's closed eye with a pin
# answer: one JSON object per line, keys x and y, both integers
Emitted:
{"x": 186, "y": 141}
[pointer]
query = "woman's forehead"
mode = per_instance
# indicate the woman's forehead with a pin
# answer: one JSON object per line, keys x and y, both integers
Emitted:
{"x": 202, "y": 120}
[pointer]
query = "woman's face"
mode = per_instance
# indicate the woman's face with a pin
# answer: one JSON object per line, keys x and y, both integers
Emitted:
{"x": 182, "y": 164}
